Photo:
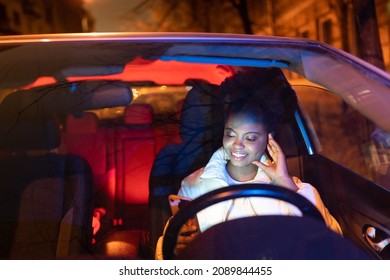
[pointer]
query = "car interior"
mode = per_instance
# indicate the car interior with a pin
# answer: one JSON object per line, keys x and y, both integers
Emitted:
{"x": 102, "y": 156}
{"x": 46, "y": 197}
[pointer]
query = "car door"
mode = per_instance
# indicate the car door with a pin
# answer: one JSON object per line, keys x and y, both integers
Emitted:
{"x": 349, "y": 165}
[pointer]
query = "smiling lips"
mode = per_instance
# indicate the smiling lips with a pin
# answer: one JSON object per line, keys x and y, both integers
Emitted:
{"x": 239, "y": 156}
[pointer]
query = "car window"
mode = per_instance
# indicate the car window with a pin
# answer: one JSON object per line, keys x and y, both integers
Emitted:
{"x": 345, "y": 136}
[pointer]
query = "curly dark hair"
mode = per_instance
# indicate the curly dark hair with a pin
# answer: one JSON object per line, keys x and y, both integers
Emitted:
{"x": 264, "y": 93}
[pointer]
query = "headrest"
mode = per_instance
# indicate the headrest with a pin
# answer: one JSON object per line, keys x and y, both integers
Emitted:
{"x": 138, "y": 114}
{"x": 30, "y": 135}
{"x": 87, "y": 122}
{"x": 202, "y": 113}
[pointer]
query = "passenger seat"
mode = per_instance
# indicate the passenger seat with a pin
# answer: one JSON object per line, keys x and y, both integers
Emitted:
{"x": 81, "y": 136}
{"x": 45, "y": 197}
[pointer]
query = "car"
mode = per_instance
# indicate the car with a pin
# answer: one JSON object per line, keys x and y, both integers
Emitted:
{"x": 97, "y": 130}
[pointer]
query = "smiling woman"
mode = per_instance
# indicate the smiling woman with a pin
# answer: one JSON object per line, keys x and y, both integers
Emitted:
{"x": 255, "y": 102}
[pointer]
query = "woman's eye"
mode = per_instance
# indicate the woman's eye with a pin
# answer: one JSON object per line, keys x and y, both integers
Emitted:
{"x": 229, "y": 134}
{"x": 251, "y": 139}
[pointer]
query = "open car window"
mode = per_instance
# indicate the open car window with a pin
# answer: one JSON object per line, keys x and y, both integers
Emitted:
{"x": 345, "y": 136}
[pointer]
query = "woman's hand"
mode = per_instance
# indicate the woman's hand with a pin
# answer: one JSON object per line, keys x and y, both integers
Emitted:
{"x": 188, "y": 232}
{"x": 277, "y": 169}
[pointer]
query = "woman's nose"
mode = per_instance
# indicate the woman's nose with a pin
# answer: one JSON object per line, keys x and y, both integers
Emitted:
{"x": 238, "y": 143}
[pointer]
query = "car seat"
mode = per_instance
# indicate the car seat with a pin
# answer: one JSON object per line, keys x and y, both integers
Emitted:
{"x": 201, "y": 131}
{"x": 81, "y": 136}
{"x": 134, "y": 155}
{"x": 45, "y": 197}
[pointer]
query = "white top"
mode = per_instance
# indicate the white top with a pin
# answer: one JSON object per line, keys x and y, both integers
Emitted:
{"x": 214, "y": 176}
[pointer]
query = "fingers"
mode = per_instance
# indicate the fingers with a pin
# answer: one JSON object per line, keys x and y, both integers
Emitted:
{"x": 183, "y": 241}
{"x": 274, "y": 149}
{"x": 188, "y": 227}
{"x": 272, "y": 144}
{"x": 187, "y": 232}
{"x": 277, "y": 167}
{"x": 258, "y": 163}
{"x": 186, "y": 235}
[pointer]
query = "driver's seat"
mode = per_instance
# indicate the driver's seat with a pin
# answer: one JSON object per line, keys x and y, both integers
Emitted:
{"x": 201, "y": 131}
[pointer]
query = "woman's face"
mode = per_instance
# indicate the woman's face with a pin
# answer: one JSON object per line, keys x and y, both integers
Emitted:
{"x": 245, "y": 140}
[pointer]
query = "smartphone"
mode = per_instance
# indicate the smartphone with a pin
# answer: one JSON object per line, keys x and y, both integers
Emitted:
{"x": 177, "y": 202}
{"x": 266, "y": 150}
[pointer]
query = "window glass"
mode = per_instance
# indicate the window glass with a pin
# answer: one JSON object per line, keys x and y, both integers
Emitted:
{"x": 345, "y": 136}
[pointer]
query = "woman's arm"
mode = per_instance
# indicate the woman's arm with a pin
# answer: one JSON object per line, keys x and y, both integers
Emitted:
{"x": 277, "y": 171}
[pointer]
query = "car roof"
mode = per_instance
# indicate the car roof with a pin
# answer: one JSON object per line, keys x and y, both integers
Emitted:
{"x": 76, "y": 56}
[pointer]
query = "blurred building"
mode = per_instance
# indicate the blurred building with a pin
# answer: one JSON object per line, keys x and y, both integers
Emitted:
{"x": 43, "y": 16}
{"x": 329, "y": 21}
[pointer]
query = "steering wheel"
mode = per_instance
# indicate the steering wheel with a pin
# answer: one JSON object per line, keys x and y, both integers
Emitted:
{"x": 231, "y": 192}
